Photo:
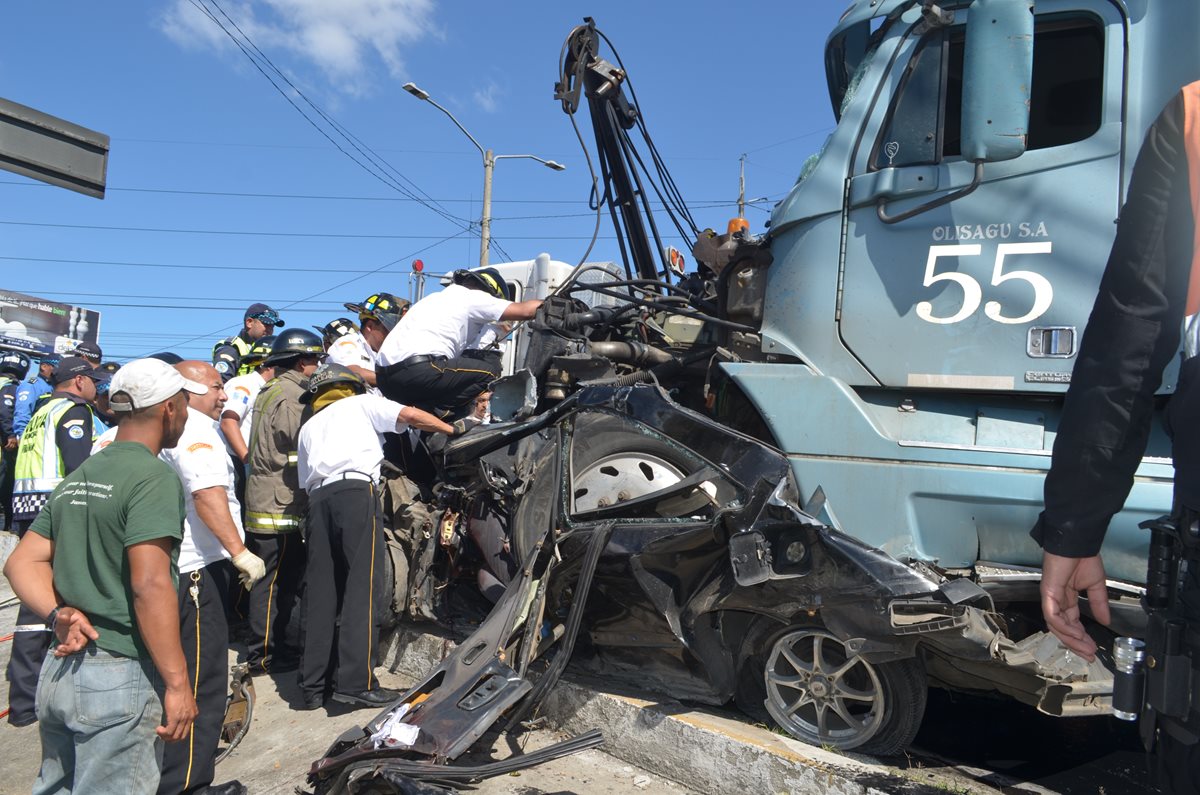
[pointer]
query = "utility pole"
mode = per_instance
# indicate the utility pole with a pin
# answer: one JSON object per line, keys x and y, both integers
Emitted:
{"x": 485, "y": 220}
{"x": 489, "y": 167}
{"x": 742, "y": 186}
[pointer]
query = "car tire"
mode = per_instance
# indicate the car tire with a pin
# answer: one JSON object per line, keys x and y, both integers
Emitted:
{"x": 844, "y": 702}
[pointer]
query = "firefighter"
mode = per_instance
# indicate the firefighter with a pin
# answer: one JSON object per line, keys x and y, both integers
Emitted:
{"x": 421, "y": 362}
{"x": 13, "y": 366}
{"x": 57, "y": 439}
{"x": 340, "y": 452}
{"x": 275, "y": 502}
{"x": 212, "y": 553}
{"x": 1150, "y": 284}
{"x": 257, "y": 322}
{"x": 346, "y": 346}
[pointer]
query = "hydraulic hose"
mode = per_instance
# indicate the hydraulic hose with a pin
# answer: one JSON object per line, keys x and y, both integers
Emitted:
{"x": 635, "y": 353}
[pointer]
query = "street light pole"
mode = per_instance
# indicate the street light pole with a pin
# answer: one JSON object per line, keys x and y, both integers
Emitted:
{"x": 489, "y": 167}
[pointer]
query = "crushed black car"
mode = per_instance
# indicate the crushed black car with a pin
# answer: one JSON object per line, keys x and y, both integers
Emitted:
{"x": 657, "y": 547}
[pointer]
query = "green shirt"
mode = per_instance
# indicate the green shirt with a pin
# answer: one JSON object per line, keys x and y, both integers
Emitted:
{"x": 119, "y": 497}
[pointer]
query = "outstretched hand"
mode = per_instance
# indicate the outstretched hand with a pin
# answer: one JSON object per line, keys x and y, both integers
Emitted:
{"x": 73, "y": 631}
{"x": 1063, "y": 580}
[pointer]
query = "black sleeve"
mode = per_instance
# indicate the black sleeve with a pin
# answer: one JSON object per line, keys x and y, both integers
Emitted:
{"x": 74, "y": 439}
{"x": 8, "y": 405}
{"x": 1131, "y": 336}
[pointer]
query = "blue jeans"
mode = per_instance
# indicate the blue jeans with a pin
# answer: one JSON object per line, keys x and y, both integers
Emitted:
{"x": 97, "y": 713}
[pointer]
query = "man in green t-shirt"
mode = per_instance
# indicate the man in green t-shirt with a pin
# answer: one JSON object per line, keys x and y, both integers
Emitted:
{"x": 107, "y": 541}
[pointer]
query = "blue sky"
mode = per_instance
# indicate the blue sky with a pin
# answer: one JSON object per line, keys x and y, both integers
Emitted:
{"x": 221, "y": 194}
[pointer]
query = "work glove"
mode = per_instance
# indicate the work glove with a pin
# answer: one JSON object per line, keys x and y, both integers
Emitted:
{"x": 250, "y": 567}
{"x": 460, "y": 427}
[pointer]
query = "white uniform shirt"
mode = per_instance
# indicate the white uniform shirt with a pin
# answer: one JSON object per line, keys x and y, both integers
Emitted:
{"x": 104, "y": 440}
{"x": 352, "y": 349}
{"x": 241, "y": 392}
{"x": 346, "y": 436}
{"x": 201, "y": 462}
{"x": 441, "y": 324}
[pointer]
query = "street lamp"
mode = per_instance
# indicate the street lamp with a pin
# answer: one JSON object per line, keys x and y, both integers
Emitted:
{"x": 489, "y": 166}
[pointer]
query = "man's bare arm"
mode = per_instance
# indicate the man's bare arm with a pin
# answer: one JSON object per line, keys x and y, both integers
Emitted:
{"x": 156, "y": 608}
{"x": 423, "y": 420}
{"x": 364, "y": 373}
{"x": 28, "y": 571}
{"x": 212, "y": 506}
{"x": 231, "y": 427}
{"x": 521, "y": 310}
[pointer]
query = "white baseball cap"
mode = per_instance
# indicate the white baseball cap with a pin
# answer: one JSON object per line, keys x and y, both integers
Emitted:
{"x": 147, "y": 382}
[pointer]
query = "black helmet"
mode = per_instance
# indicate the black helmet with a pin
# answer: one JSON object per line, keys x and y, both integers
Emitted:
{"x": 14, "y": 363}
{"x": 487, "y": 279}
{"x": 110, "y": 367}
{"x": 259, "y": 351}
{"x": 329, "y": 374}
{"x": 383, "y": 307}
{"x": 338, "y": 327}
{"x": 292, "y": 343}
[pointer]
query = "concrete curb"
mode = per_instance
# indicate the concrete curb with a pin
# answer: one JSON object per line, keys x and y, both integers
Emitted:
{"x": 701, "y": 749}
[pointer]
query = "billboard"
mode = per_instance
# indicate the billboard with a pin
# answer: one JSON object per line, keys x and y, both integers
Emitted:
{"x": 41, "y": 327}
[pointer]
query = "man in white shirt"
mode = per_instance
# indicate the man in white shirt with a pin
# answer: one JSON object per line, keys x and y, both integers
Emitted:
{"x": 345, "y": 345}
{"x": 238, "y": 413}
{"x": 339, "y": 455}
{"x": 212, "y": 540}
{"x": 421, "y": 361}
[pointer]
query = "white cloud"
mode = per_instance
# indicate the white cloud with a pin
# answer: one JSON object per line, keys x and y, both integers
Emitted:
{"x": 342, "y": 38}
{"x": 488, "y": 97}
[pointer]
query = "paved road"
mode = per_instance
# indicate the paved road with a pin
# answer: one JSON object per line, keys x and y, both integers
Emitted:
{"x": 992, "y": 741}
{"x": 282, "y": 743}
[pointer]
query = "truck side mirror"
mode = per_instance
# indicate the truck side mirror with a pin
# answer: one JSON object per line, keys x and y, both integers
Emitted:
{"x": 997, "y": 73}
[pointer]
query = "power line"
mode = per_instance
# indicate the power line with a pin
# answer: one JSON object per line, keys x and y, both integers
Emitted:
{"x": 241, "y": 233}
{"x": 703, "y": 204}
{"x": 334, "y": 287}
{"x": 373, "y": 161}
{"x": 239, "y": 268}
{"x": 168, "y": 297}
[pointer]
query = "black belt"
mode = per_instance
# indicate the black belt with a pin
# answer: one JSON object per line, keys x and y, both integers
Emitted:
{"x": 420, "y": 358}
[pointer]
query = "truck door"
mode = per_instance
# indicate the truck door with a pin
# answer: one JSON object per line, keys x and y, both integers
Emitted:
{"x": 992, "y": 290}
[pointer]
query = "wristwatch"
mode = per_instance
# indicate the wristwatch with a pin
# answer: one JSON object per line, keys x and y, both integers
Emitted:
{"x": 51, "y": 618}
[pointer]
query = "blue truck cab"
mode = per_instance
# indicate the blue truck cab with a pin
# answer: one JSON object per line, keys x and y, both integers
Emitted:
{"x": 924, "y": 306}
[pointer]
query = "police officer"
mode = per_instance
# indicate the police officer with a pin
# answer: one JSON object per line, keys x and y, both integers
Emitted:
{"x": 1150, "y": 284}
{"x": 57, "y": 439}
{"x": 346, "y": 346}
{"x": 340, "y": 452}
{"x": 13, "y": 366}
{"x": 29, "y": 392}
{"x": 89, "y": 351}
{"x": 421, "y": 362}
{"x": 258, "y": 321}
{"x": 275, "y": 501}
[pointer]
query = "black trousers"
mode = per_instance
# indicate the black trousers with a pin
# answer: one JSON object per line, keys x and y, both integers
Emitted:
{"x": 9, "y": 458}
{"x": 444, "y": 387}
{"x": 343, "y": 587}
{"x": 30, "y": 643}
{"x": 190, "y": 765}
{"x": 29, "y": 646}
{"x": 273, "y": 598}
